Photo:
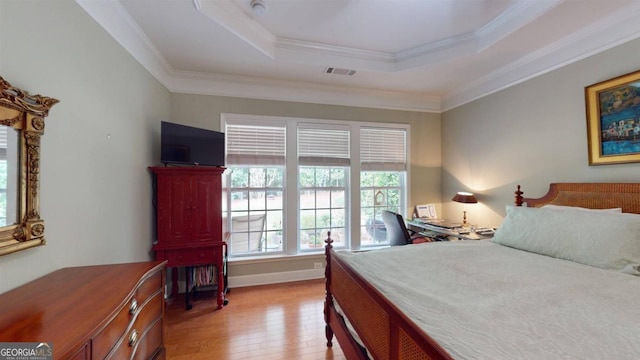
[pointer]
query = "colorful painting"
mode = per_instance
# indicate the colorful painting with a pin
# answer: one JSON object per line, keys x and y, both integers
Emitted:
{"x": 613, "y": 120}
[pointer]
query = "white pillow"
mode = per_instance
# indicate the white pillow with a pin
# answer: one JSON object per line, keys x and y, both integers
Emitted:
{"x": 563, "y": 207}
{"x": 605, "y": 240}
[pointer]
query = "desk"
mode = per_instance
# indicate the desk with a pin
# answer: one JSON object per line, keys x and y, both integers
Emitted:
{"x": 427, "y": 229}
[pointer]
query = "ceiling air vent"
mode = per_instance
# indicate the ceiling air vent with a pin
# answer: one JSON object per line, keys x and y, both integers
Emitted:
{"x": 338, "y": 71}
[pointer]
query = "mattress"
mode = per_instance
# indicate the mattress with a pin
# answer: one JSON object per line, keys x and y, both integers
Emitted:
{"x": 481, "y": 300}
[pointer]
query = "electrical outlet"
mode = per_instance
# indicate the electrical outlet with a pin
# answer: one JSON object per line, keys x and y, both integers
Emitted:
{"x": 318, "y": 265}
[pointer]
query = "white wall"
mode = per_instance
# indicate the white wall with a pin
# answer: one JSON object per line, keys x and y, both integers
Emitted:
{"x": 531, "y": 134}
{"x": 95, "y": 187}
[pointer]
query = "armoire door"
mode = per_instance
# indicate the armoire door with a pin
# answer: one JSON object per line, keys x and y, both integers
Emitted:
{"x": 175, "y": 209}
{"x": 206, "y": 197}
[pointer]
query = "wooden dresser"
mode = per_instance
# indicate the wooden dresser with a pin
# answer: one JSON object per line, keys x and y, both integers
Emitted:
{"x": 91, "y": 312}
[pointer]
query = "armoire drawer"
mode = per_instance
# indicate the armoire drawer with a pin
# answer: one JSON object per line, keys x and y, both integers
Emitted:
{"x": 192, "y": 257}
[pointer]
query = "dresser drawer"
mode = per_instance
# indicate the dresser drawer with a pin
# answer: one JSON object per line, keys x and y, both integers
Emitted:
{"x": 191, "y": 257}
{"x": 150, "y": 345}
{"x": 84, "y": 311}
{"x": 107, "y": 338}
{"x": 144, "y": 337}
{"x": 148, "y": 287}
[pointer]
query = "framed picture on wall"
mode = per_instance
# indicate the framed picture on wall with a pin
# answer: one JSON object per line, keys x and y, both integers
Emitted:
{"x": 613, "y": 120}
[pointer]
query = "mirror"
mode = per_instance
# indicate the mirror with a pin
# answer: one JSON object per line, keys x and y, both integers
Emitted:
{"x": 9, "y": 175}
{"x": 21, "y": 126}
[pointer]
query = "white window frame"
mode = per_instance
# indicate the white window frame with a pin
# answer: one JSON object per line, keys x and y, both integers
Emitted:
{"x": 255, "y": 157}
{"x": 378, "y": 208}
{"x": 324, "y": 146}
{"x": 267, "y": 245}
{"x": 340, "y": 241}
{"x": 383, "y": 150}
{"x": 291, "y": 200}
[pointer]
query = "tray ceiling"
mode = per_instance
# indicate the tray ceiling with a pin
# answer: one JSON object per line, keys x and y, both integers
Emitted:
{"x": 424, "y": 55}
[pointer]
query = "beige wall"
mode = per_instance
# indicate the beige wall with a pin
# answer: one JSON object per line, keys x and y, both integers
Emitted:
{"x": 204, "y": 111}
{"x": 531, "y": 134}
{"x": 99, "y": 140}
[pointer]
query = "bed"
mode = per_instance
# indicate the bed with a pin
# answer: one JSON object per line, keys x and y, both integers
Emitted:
{"x": 529, "y": 293}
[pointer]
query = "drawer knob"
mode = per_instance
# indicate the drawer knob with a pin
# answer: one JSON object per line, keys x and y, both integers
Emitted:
{"x": 133, "y": 337}
{"x": 133, "y": 307}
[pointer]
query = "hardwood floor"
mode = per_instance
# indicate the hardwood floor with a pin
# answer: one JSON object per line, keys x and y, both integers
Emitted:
{"x": 281, "y": 321}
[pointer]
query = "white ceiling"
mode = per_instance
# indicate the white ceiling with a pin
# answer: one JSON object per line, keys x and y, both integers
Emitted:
{"x": 424, "y": 55}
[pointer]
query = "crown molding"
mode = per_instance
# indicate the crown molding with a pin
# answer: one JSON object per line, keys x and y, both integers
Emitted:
{"x": 605, "y": 34}
{"x": 117, "y": 22}
{"x": 338, "y": 56}
{"x": 516, "y": 17}
{"x": 113, "y": 18}
{"x": 601, "y": 36}
{"x": 320, "y": 49}
{"x": 229, "y": 15}
{"x": 295, "y": 91}
{"x": 226, "y": 14}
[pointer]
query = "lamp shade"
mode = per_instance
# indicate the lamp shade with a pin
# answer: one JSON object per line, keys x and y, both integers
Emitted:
{"x": 465, "y": 197}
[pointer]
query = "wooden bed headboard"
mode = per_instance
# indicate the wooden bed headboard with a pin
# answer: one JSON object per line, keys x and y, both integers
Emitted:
{"x": 588, "y": 195}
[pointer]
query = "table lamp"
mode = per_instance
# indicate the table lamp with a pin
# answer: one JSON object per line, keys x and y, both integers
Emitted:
{"x": 465, "y": 198}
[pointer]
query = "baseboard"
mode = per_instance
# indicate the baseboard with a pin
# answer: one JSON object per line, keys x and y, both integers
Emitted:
{"x": 274, "y": 278}
{"x": 266, "y": 279}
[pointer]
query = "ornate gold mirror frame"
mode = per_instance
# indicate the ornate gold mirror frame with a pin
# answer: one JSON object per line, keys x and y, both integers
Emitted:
{"x": 24, "y": 113}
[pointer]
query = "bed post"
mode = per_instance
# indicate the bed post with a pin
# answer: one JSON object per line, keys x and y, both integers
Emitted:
{"x": 519, "y": 198}
{"x": 328, "y": 300}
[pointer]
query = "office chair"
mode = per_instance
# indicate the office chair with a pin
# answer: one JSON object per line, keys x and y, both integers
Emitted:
{"x": 398, "y": 232}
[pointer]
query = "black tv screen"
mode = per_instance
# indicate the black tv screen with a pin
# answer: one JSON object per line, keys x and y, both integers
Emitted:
{"x": 181, "y": 144}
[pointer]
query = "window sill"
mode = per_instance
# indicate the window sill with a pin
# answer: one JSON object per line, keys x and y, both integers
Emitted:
{"x": 283, "y": 257}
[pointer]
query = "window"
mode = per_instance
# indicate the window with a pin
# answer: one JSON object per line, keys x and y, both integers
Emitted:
{"x": 255, "y": 162}
{"x": 290, "y": 182}
{"x": 382, "y": 180}
{"x": 256, "y": 209}
{"x": 323, "y": 163}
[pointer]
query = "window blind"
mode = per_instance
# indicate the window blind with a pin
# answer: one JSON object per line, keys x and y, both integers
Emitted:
{"x": 323, "y": 146}
{"x": 255, "y": 145}
{"x": 3, "y": 142}
{"x": 3, "y": 136}
{"x": 383, "y": 149}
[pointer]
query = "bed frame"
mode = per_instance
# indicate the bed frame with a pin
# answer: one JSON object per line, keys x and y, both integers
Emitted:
{"x": 389, "y": 334}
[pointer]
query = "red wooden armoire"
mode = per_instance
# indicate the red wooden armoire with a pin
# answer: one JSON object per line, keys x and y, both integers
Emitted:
{"x": 189, "y": 222}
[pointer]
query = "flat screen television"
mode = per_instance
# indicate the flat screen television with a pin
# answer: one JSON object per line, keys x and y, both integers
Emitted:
{"x": 181, "y": 144}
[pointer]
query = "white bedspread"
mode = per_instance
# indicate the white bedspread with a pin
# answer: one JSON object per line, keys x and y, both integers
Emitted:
{"x": 481, "y": 300}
